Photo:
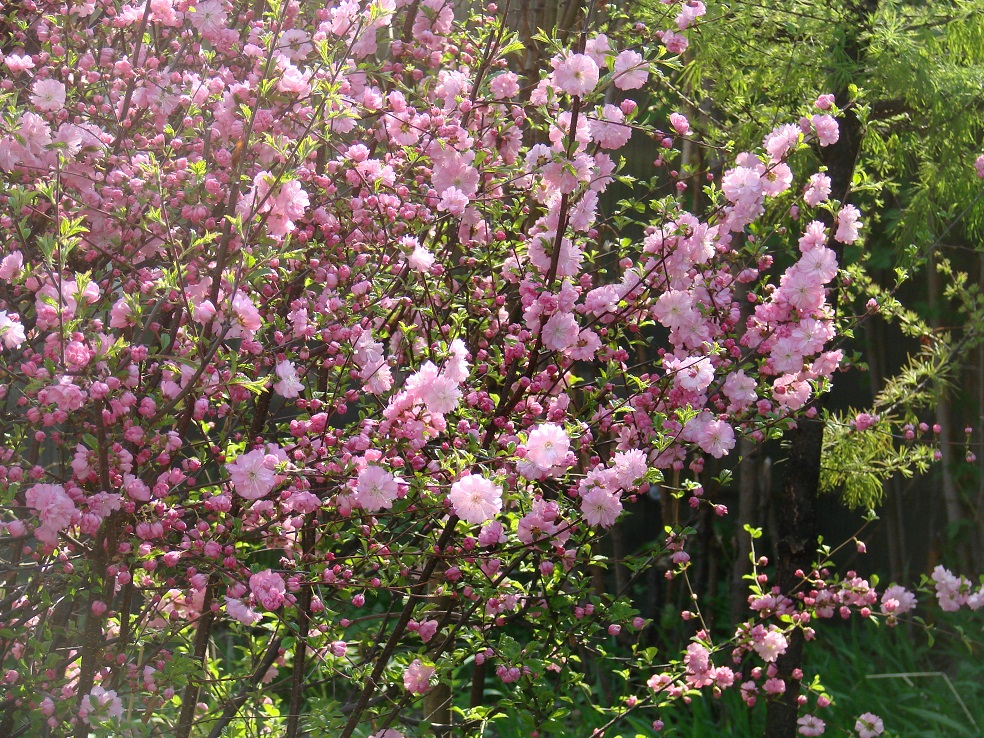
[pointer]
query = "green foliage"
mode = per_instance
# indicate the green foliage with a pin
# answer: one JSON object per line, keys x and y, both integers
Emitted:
{"x": 857, "y": 463}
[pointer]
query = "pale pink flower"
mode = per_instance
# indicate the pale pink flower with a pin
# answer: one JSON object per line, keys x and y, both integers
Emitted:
{"x": 740, "y": 390}
{"x": 420, "y": 259}
{"x": 426, "y": 629}
{"x": 609, "y": 131}
{"x": 674, "y": 308}
{"x": 376, "y": 488}
{"x": 694, "y": 374}
{"x": 293, "y": 80}
{"x": 848, "y": 224}
{"x": 801, "y": 290}
{"x": 121, "y": 314}
{"x": 209, "y": 17}
{"x": 388, "y": 733}
{"x": 869, "y": 725}
{"x": 101, "y": 703}
{"x": 547, "y": 446}
{"x": 690, "y": 11}
{"x": 979, "y": 166}
{"x": 824, "y": 102}
{"x": 680, "y": 123}
{"x": 475, "y": 499}
{"x": 598, "y": 47}
{"x": 810, "y": 725}
{"x": 54, "y": 507}
{"x": 601, "y": 507}
{"x": 827, "y": 129}
{"x": 779, "y": 142}
{"x": 560, "y": 332}
{"x": 818, "y": 190}
{"x": 897, "y": 600}
{"x": 416, "y": 677}
{"x": 504, "y": 85}
{"x": 251, "y": 475}
{"x": 815, "y": 235}
{"x": 268, "y": 588}
{"x": 48, "y": 95}
{"x": 630, "y": 70}
{"x": 438, "y": 393}
{"x": 12, "y": 333}
{"x": 238, "y": 610}
{"x": 288, "y": 384}
{"x": 11, "y": 265}
{"x": 575, "y": 74}
{"x": 771, "y": 646}
{"x": 453, "y": 201}
{"x": 717, "y": 438}
{"x": 675, "y": 43}
{"x": 18, "y": 62}
{"x": 629, "y": 466}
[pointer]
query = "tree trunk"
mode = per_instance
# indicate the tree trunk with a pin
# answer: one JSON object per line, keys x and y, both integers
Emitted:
{"x": 798, "y": 500}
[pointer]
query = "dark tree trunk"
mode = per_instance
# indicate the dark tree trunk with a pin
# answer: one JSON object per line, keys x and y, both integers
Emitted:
{"x": 798, "y": 502}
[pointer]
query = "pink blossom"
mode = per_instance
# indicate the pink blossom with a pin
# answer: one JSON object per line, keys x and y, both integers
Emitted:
{"x": 979, "y": 166}
{"x": 675, "y": 43}
{"x": 252, "y": 475}
{"x": 475, "y": 499}
{"x": 288, "y": 384}
{"x": 810, "y": 725}
{"x": 771, "y": 646}
{"x": 504, "y": 85}
{"x": 869, "y": 725}
{"x": 680, "y": 123}
{"x": 238, "y": 610}
{"x": 453, "y": 201}
{"x": 376, "y": 488}
{"x": 716, "y": 437}
{"x": 547, "y": 446}
{"x": 630, "y": 70}
{"x": 863, "y": 421}
{"x": 600, "y": 507}
{"x": 560, "y": 332}
{"x": 827, "y": 129}
{"x": 824, "y": 102}
{"x": 690, "y": 11}
{"x": 208, "y": 18}
{"x": 268, "y": 588}
{"x": 55, "y": 509}
{"x": 11, "y": 265}
{"x": 815, "y": 235}
{"x": 48, "y": 95}
{"x": 781, "y": 140}
{"x": 818, "y": 190}
{"x": 693, "y": 373}
{"x": 420, "y": 259}
{"x": 416, "y": 677}
{"x": 438, "y": 392}
{"x": 848, "y": 224}
{"x": 897, "y": 600}
{"x": 18, "y": 62}
{"x": 575, "y": 74}
{"x": 100, "y": 703}
{"x": 608, "y": 131}
{"x": 11, "y": 332}
{"x": 630, "y": 466}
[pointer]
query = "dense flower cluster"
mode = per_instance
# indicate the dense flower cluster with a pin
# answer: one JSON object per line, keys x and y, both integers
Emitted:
{"x": 294, "y": 298}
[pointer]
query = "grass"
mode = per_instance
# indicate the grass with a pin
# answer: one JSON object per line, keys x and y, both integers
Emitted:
{"x": 921, "y": 683}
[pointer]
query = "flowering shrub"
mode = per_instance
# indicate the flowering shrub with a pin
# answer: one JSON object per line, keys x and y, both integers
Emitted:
{"x": 319, "y": 354}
